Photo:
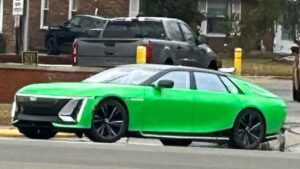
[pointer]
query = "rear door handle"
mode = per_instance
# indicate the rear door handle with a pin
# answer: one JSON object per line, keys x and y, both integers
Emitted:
{"x": 179, "y": 47}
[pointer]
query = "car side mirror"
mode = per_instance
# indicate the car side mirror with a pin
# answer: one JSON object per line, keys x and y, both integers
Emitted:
{"x": 201, "y": 39}
{"x": 165, "y": 84}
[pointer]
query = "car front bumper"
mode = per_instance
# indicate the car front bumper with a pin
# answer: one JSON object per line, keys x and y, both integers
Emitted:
{"x": 52, "y": 111}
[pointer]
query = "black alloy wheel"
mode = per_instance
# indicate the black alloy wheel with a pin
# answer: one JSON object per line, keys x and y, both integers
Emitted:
{"x": 109, "y": 122}
{"x": 36, "y": 133}
{"x": 249, "y": 130}
{"x": 176, "y": 142}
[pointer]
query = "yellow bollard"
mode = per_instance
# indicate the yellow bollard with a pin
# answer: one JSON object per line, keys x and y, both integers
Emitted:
{"x": 141, "y": 55}
{"x": 238, "y": 61}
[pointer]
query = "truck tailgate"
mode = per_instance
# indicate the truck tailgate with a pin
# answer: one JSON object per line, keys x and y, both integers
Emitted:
{"x": 107, "y": 52}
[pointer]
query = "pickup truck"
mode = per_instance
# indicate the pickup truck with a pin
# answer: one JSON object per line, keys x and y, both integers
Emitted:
{"x": 167, "y": 41}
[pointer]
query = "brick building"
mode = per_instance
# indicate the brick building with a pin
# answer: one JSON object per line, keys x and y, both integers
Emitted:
{"x": 40, "y": 14}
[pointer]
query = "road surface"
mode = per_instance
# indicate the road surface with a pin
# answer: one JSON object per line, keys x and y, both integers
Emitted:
{"x": 28, "y": 154}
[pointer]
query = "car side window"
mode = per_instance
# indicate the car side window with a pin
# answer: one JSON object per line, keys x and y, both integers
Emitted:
{"x": 175, "y": 31}
{"x": 181, "y": 79}
{"x": 74, "y": 22}
{"x": 230, "y": 86}
{"x": 188, "y": 34}
{"x": 209, "y": 82}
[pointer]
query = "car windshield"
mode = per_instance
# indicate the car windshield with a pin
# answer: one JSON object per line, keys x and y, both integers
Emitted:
{"x": 124, "y": 75}
{"x": 137, "y": 29}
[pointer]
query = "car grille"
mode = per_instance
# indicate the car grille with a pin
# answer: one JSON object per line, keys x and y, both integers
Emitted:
{"x": 39, "y": 106}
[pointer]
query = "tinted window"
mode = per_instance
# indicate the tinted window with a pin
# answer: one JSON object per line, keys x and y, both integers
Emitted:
{"x": 74, "y": 22}
{"x": 181, "y": 79}
{"x": 230, "y": 86}
{"x": 209, "y": 82}
{"x": 188, "y": 35}
{"x": 175, "y": 31}
{"x": 138, "y": 29}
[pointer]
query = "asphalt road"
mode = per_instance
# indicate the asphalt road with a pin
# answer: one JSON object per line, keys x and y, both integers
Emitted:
{"x": 28, "y": 154}
{"x": 282, "y": 88}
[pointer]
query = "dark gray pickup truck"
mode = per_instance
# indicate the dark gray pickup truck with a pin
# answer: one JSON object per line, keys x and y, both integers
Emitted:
{"x": 167, "y": 41}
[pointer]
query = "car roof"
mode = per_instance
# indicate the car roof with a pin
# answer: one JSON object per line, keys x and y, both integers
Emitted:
{"x": 144, "y": 19}
{"x": 93, "y": 16}
{"x": 173, "y": 67}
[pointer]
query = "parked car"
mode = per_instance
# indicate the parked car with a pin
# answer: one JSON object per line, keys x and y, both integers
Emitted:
{"x": 167, "y": 41}
{"x": 59, "y": 39}
{"x": 296, "y": 75}
{"x": 175, "y": 104}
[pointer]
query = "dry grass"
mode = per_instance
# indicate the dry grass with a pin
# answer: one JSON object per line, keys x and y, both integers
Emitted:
{"x": 5, "y": 114}
{"x": 261, "y": 67}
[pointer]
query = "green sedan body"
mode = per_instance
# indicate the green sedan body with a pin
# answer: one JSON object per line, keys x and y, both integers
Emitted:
{"x": 182, "y": 110}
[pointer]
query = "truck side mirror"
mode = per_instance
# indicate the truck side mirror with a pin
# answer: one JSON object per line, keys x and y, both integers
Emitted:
{"x": 201, "y": 39}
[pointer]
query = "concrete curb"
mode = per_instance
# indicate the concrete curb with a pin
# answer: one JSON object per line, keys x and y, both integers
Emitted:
{"x": 13, "y": 132}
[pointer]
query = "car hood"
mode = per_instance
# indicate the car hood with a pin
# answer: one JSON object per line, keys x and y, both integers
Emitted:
{"x": 79, "y": 89}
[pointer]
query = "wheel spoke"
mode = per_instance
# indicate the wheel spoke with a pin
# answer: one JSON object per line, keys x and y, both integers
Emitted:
{"x": 253, "y": 136}
{"x": 250, "y": 120}
{"x": 113, "y": 113}
{"x": 110, "y": 130}
{"x": 96, "y": 121}
{"x": 255, "y": 127}
{"x": 116, "y": 123}
{"x": 104, "y": 109}
{"x": 246, "y": 139}
{"x": 100, "y": 130}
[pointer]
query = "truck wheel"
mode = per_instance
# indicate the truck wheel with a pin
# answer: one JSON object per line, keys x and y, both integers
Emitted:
{"x": 52, "y": 47}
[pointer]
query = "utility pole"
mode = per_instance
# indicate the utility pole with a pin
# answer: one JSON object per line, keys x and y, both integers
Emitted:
{"x": 18, "y": 8}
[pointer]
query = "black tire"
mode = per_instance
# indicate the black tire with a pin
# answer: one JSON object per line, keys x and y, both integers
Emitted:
{"x": 36, "y": 133}
{"x": 175, "y": 142}
{"x": 109, "y": 122}
{"x": 249, "y": 130}
{"x": 52, "y": 46}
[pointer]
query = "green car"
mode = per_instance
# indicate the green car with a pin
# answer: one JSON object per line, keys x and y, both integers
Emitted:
{"x": 175, "y": 104}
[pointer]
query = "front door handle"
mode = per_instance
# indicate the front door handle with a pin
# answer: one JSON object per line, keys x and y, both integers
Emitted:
{"x": 179, "y": 47}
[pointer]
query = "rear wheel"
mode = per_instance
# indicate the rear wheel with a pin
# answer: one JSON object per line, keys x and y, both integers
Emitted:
{"x": 109, "y": 123}
{"x": 249, "y": 130}
{"x": 175, "y": 142}
{"x": 36, "y": 133}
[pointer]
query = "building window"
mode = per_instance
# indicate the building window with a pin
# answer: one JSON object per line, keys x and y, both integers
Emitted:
{"x": 1, "y": 16}
{"x": 216, "y": 12}
{"x": 72, "y": 8}
{"x": 44, "y": 14}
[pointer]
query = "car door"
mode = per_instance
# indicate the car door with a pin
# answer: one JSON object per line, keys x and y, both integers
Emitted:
{"x": 68, "y": 33}
{"x": 216, "y": 102}
{"x": 193, "y": 56}
{"x": 178, "y": 44}
{"x": 169, "y": 110}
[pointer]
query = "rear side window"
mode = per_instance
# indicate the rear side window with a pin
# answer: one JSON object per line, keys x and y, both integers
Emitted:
{"x": 137, "y": 29}
{"x": 230, "y": 86}
{"x": 209, "y": 82}
{"x": 175, "y": 31}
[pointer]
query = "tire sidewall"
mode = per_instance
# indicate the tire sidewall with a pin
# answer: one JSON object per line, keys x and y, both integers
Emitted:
{"x": 95, "y": 137}
{"x": 236, "y": 141}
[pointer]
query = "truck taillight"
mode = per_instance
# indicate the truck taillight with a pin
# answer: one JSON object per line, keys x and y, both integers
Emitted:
{"x": 144, "y": 54}
{"x": 149, "y": 52}
{"x": 74, "y": 52}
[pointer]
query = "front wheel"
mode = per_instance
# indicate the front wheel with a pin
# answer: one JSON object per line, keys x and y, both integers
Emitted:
{"x": 175, "y": 142}
{"x": 249, "y": 130}
{"x": 36, "y": 133}
{"x": 109, "y": 123}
